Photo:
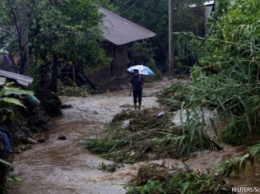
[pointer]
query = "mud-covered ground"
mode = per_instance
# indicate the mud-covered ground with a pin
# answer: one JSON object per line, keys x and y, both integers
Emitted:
{"x": 62, "y": 166}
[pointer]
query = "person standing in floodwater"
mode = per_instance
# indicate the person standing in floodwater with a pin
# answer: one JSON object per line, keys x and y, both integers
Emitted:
{"x": 136, "y": 84}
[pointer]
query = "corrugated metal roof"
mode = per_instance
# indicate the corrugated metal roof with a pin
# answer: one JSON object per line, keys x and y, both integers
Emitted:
{"x": 21, "y": 79}
{"x": 209, "y": 2}
{"x": 119, "y": 30}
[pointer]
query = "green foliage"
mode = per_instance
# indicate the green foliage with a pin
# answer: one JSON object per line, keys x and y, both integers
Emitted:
{"x": 226, "y": 76}
{"x": 14, "y": 91}
{"x": 240, "y": 165}
{"x": 153, "y": 15}
{"x": 220, "y": 11}
{"x": 234, "y": 40}
{"x": 228, "y": 95}
{"x": 178, "y": 182}
{"x": 7, "y": 101}
{"x": 14, "y": 180}
{"x": 192, "y": 136}
{"x": 102, "y": 146}
{"x": 149, "y": 137}
{"x": 231, "y": 54}
{"x": 142, "y": 53}
{"x": 10, "y": 101}
{"x": 174, "y": 96}
{"x": 150, "y": 187}
{"x": 67, "y": 29}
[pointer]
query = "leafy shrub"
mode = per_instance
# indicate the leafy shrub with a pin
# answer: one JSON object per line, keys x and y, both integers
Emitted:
{"x": 156, "y": 179}
{"x": 227, "y": 74}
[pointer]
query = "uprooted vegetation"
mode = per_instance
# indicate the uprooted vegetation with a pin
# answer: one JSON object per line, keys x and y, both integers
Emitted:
{"x": 140, "y": 135}
{"x": 152, "y": 178}
{"x": 242, "y": 165}
{"x": 82, "y": 91}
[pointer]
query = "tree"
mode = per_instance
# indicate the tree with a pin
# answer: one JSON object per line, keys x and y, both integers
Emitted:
{"x": 68, "y": 30}
{"x": 153, "y": 15}
{"x": 13, "y": 28}
{"x": 57, "y": 29}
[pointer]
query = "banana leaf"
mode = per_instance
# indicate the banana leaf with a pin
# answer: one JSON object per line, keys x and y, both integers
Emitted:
{"x": 15, "y": 91}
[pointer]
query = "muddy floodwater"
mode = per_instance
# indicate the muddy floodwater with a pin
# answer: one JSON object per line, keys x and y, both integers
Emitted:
{"x": 64, "y": 167}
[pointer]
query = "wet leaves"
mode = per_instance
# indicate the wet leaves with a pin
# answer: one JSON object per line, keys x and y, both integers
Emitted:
{"x": 134, "y": 142}
{"x": 81, "y": 91}
{"x": 146, "y": 137}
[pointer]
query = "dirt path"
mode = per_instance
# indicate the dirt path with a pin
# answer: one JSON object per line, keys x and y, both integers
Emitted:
{"x": 58, "y": 166}
{"x": 63, "y": 167}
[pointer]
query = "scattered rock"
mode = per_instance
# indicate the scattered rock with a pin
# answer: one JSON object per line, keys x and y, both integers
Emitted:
{"x": 125, "y": 124}
{"x": 41, "y": 140}
{"x": 161, "y": 114}
{"x": 62, "y": 137}
{"x": 95, "y": 113}
{"x": 65, "y": 106}
{"x": 126, "y": 106}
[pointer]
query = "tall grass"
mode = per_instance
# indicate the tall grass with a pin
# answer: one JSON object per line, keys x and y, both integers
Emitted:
{"x": 192, "y": 134}
{"x": 232, "y": 93}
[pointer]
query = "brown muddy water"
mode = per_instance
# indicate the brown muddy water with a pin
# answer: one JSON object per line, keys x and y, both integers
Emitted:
{"x": 64, "y": 167}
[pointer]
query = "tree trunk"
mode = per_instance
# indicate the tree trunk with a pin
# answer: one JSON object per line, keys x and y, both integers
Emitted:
{"x": 23, "y": 61}
{"x": 54, "y": 75}
{"x": 74, "y": 74}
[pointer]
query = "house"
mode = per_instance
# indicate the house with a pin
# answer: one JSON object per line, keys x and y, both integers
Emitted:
{"x": 118, "y": 32}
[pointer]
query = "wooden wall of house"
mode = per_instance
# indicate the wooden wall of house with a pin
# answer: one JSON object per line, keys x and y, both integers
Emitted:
{"x": 116, "y": 68}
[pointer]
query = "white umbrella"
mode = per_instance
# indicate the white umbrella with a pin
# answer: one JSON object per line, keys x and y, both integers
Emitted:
{"x": 144, "y": 70}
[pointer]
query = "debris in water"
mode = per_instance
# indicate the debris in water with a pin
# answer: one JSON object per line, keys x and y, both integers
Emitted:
{"x": 139, "y": 135}
{"x": 65, "y": 106}
{"x": 107, "y": 167}
{"x": 62, "y": 137}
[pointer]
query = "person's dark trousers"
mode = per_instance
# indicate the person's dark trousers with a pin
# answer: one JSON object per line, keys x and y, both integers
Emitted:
{"x": 137, "y": 94}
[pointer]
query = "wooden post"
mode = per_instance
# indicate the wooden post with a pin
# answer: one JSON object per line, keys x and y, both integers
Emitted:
{"x": 170, "y": 54}
{"x": 54, "y": 75}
